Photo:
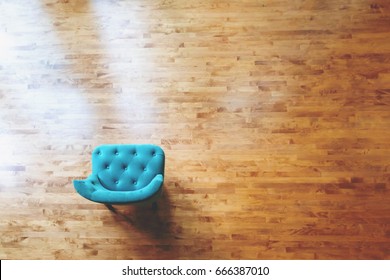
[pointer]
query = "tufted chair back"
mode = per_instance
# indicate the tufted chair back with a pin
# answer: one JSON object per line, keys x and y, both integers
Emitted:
{"x": 127, "y": 167}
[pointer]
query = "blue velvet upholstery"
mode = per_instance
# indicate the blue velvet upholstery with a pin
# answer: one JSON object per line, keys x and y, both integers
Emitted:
{"x": 123, "y": 174}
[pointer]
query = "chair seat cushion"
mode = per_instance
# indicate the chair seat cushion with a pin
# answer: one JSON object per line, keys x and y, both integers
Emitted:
{"x": 123, "y": 197}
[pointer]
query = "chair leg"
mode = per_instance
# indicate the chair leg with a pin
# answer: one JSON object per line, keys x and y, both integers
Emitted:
{"x": 110, "y": 207}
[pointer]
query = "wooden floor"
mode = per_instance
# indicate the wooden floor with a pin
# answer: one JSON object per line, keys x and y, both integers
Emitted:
{"x": 274, "y": 116}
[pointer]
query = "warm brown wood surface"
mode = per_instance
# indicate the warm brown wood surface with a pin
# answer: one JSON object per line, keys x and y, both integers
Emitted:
{"x": 274, "y": 116}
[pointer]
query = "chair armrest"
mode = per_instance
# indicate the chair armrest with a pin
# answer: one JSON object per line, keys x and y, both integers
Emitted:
{"x": 88, "y": 186}
{"x": 123, "y": 197}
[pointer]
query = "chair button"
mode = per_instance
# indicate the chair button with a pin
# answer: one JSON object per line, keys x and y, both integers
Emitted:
{"x": 116, "y": 153}
{"x": 135, "y": 182}
{"x": 116, "y": 182}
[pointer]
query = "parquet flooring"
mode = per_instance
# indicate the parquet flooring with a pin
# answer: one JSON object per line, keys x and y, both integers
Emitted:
{"x": 274, "y": 116}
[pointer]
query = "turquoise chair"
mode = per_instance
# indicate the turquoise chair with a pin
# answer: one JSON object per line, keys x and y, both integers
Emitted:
{"x": 124, "y": 174}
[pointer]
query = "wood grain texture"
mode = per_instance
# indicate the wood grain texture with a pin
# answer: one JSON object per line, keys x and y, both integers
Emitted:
{"x": 274, "y": 116}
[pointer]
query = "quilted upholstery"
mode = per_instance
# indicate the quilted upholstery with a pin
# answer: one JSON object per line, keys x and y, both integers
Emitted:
{"x": 123, "y": 174}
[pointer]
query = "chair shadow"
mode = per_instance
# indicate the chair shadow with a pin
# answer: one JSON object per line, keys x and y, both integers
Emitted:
{"x": 158, "y": 228}
{"x": 155, "y": 223}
